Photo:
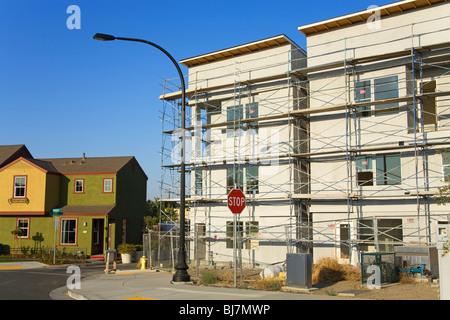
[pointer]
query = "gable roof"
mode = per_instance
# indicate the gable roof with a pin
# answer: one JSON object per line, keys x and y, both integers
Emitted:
{"x": 40, "y": 165}
{"x": 12, "y": 152}
{"x": 362, "y": 16}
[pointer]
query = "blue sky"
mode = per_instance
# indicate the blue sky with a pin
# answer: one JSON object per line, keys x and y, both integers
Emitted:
{"x": 63, "y": 94}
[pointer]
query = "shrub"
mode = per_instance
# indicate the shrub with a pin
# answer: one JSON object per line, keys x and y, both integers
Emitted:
{"x": 208, "y": 277}
{"x": 126, "y": 248}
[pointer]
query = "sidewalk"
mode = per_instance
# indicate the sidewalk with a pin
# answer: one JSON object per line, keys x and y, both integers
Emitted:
{"x": 132, "y": 284}
{"x": 129, "y": 283}
{"x": 18, "y": 265}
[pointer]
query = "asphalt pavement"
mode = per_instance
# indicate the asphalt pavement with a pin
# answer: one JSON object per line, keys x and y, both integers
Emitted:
{"x": 129, "y": 283}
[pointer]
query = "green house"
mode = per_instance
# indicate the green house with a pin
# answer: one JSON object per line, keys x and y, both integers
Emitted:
{"x": 102, "y": 201}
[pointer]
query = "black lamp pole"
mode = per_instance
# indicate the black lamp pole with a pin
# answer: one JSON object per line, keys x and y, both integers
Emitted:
{"x": 181, "y": 274}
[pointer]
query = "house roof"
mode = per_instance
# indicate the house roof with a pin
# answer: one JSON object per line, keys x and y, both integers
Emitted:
{"x": 47, "y": 166}
{"x": 237, "y": 50}
{"x": 7, "y": 152}
{"x": 88, "y": 165}
{"x": 87, "y": 209}
{"x": 40, "y": 165}
{"x": 363, "y": 16}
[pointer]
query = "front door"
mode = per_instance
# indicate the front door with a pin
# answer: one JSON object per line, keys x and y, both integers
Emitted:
{"x": 98, "y": 229}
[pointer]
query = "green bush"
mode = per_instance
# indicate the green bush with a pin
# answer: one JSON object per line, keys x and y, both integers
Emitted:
{"x": 126, "y": 248}
{"x": 208, "y": 277}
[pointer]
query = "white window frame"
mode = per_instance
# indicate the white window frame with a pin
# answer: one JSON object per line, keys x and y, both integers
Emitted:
{"x": 27, "y": 228}
{"x": 17, "y": 187}
{"x": 110, "y": 186}
{"x": 82, "y": 186}
{"x": 63, "y": 236}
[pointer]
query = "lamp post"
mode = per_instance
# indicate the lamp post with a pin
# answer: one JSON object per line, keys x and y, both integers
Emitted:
{"x": 181, "y": 274}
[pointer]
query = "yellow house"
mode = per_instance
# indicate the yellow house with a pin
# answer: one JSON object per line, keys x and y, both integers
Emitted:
{"x": 32, "y": 188}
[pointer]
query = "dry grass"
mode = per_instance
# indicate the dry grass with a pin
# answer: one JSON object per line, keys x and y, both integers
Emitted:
{"x": 328, "y": 270}
{"x": 406, "y": 278}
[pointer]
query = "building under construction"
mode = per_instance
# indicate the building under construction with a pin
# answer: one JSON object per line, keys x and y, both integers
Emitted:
{"x": 339, "y": 148}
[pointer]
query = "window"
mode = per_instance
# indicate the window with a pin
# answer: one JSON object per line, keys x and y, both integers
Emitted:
{"x": 20, "y": 184}
{"x": 252, "y": 179}
{"x": 79, "y": 186}
{"x": 429, "y": 107}
{"x": 230, "y": 234}
{"x": 389, "y": 233}
{"x": 389, "y": 169}
{"x": 386, "y": 88}
{"x": 251, "y": 111}
{"x": 24, "y": 225}
{"x": 68, "y": 231}
{"x": 198, "y": 182}
{"x": 234, "y": 114}
{"x": 446, "y": 165}
{"x": 251, "y": 230}
{"x": 375, "y": 90}
{"x": 235, "y": 179}
{"x": 363, "y": 94}
{"x": 364, "y": 170}
{"x": 107, "y": 185}
{"x": 344, "y": 238}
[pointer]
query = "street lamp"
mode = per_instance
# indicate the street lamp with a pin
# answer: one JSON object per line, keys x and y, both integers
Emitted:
{"x": 181, "y": 274}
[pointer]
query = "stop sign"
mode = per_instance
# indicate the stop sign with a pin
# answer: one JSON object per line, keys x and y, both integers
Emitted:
{"x": 236, "y": 201}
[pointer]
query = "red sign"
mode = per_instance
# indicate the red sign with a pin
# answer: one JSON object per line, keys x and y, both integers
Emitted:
{"x": 236, "y": 201}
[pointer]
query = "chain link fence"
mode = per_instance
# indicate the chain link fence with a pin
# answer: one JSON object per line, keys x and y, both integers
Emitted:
{"x": 343, "y": 239}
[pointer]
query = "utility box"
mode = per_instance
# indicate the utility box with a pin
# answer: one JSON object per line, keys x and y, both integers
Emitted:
{"x": 299, "y": 270}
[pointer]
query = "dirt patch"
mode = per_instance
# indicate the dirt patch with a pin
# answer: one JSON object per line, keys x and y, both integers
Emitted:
{"x": 397, "y": 291}
{"x": 352, "y": 287}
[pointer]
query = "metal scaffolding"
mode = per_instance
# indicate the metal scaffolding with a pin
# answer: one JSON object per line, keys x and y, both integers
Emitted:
{"x": 288, "y": 108}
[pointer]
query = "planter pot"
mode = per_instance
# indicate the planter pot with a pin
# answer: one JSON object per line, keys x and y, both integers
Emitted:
{"x": 126, "y": 257}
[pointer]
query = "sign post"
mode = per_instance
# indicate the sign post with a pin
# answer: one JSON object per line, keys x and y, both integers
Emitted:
{"x": 55, "y": 213}
{"x": 236, "y": 204}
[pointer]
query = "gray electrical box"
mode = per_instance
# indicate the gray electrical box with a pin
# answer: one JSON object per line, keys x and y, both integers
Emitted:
{"x": 299, "y": 270}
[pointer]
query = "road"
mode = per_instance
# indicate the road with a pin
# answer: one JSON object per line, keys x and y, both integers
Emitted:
{"x": 37, "y": 283}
